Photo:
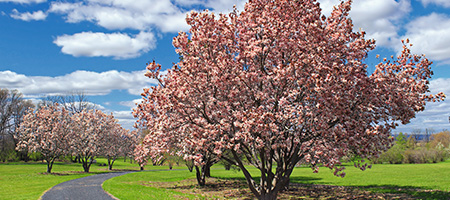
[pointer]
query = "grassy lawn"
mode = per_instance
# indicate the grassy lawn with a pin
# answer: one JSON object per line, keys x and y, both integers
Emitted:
{"x": 28, "y": 180}
{"x": 137, "y": 185}
{"x": 424, "y": 181}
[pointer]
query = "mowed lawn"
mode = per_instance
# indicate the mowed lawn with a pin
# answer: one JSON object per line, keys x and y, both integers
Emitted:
{"x": 29, "y": 180}
{"x": 425, "y": 181}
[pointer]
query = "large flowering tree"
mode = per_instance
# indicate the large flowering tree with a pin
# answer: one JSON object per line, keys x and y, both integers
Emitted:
{"x": 45, "y": 131}
{"x": 279, "y": 83}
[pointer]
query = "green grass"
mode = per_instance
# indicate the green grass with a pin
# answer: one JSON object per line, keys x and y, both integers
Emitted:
{"x": 426, "y": 181}
{"x": 132, "y": 186}
{"x": 425, "y": 176}
{"x": 28, "y": 180}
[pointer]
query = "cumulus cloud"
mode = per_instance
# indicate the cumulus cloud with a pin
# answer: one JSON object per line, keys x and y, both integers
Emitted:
{"x": 130, "y": 104}
{"x": 378, "y": 18}
{"x": 429, "y": 36}
{"x": 122, "y": 14}
{"x": 163, "y": 15}
{"x": 125, "y": 118}
{"x": 27, "y": 16}
{"x": 225, "y": 6}
{"x": 117, "y": 45}
{"x": 24, "y": 1}
{"x": 444, "y": 3}
{"x": 91, "y": 83}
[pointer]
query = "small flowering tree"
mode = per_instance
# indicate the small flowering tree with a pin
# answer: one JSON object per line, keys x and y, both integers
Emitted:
{"x": 90, "y": 127}
{"x": 114, "y": 143}
{"x": 141, "y": 155}
{"x": 279, "y": 83}
{"x": 45, "y": 131}
{"x": 130, "y": 142}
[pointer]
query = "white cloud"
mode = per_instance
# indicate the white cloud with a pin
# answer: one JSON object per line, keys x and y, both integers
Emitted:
{"x": 130, "y": 104}
{"x": 91, "y": 83}
{"x": 125, "y": 118}
{"x": 117, "y": 45}
{"x": 164, "y": 15}
{"x": 225, "y": 6}
{"x": 445, "y": 3}
{"x": 430, "y": 36}
{"x": 123, "y": 114}
{"x": 141, "y": 15}
{"x": 24, "y": 1}
{"x": 27, "y": 16}
{"x": 378, "y": 18}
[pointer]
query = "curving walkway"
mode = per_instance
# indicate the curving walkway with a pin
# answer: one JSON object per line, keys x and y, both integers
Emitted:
{"x": 85, "y": 188}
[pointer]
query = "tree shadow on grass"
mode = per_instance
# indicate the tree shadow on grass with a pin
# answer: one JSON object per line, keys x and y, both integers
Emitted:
{"x": 304, "y": 186}
{"x": 417, "y": 192}
{"x": 301, "y": 188}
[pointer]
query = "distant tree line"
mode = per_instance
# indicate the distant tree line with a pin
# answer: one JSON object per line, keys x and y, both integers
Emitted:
{"x": 431, "y": 148}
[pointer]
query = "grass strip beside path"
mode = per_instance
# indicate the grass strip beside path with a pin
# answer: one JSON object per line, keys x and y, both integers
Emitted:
{"x": 423, "y": 181}
{"x": 29, "y": 180}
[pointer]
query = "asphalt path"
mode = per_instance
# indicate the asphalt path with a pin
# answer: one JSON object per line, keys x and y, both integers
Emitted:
{"x": 85, "y": 188}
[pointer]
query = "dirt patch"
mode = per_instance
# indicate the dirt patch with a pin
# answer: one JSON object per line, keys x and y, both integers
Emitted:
{"x": 237, "y": 189}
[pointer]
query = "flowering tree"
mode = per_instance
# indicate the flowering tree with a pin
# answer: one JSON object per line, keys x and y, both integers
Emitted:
{"x": 141, "y": 155}
{"x": 129, "y": 144}
{"x": 279, "y": 83}
{"x": 90, "y": 127}
{"x": 45, "y": 131}
{"x": 114, "y": 143}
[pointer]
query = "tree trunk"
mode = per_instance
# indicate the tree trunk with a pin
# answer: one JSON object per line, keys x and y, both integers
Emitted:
{"x": 50, "y": 162}
{"x": 87, "y": 162}
{"x": 207, "y": 169}
{"x": 190, "y": 165}
{"x": 200, "y": 174}
{"x": 142, "y": 168}
{"x": 111, "y": 162}
{"x": 85, "y": 167}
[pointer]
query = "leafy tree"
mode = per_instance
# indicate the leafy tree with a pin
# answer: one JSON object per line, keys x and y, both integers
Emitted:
{"x": 45, "y": 131}
{"x": 401, "y": 139}
{"x": 279, "y": 83}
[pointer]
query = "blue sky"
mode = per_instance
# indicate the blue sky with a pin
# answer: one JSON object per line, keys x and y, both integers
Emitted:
{"x": 100, "y": 47}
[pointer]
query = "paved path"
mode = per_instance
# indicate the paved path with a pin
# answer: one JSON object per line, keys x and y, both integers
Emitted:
{"x": 85, "y": 188}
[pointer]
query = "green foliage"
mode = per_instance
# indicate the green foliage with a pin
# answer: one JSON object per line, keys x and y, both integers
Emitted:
{"x": 35, "y": 156}
{"x": 394, "y": 155}
{"x": 401, "y": 139}
{"x": 9, "y": 156}
{"x": 408, "y": 150}
{"x": 424, "y": 155}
